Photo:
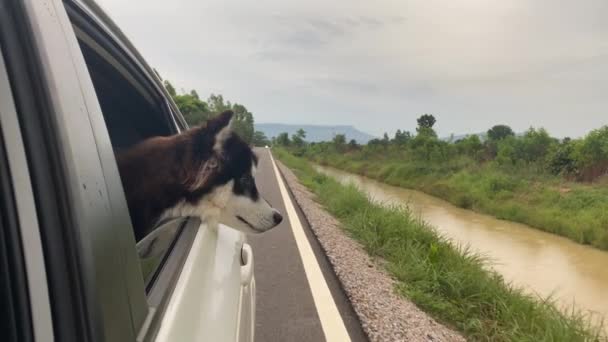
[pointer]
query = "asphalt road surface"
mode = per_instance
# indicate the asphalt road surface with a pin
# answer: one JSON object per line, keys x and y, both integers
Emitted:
{"x": 291, "y": 291}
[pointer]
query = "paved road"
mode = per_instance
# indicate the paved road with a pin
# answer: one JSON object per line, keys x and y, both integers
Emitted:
{"x": 285, "y": 308}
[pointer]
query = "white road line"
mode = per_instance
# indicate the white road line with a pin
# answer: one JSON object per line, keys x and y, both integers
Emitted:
{"x": 331, "y": 320}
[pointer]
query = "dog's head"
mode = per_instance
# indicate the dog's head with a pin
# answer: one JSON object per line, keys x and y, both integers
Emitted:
{"x": 226, "y": 174}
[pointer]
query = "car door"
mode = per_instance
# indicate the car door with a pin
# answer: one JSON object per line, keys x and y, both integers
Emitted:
{"x": 63, "y": 60}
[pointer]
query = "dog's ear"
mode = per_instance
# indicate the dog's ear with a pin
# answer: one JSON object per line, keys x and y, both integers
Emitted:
{"x": 210, "y": 136}
{"x": 220, "y": 128}
{"x": 220, "y": 122}
{"x": 201, "y": 178}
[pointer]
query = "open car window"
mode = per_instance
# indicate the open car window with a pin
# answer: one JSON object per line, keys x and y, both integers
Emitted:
{"x": 133, "y": 111}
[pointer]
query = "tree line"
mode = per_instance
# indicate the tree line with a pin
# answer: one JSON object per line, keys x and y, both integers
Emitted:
{"x": 583, "y": 159}
{"x": 196, "y": 111}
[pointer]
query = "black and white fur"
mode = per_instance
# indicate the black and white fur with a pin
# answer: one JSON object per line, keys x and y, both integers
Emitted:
{"x": 207, "y": 171}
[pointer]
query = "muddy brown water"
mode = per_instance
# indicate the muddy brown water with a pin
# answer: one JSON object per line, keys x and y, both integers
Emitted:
{"x": 542, "y": 263}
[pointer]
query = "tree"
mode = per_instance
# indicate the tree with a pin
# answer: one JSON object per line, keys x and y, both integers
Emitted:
{"x": 506, "y": 150}
{"x": 425, "y": 126}
{"x": 426, "y": 132}
{"x": 352, "y": 144}
{"x": 594, "y": 147}
{"x": 471, "y": 145}
{"x": 374, "y": 142}
{"x": 283, "y": 139}
{"x": 339, "y": 141}
{"x": 562, "y": 159}
{"x": 301, "y": 133}
{"x": 535, "y": 145}
{"x": 425, "y": 144}
{"x": 242, "y": 123}
{"x": 194, "y": 94}
{"x": 426, "y": 121}
{"x": 260, "y": 139}
{"x": 217, "y": 104}
{"x": 401, "y": 138}
{"x": 499, "y": 132}
{"x": 196, "y": 111}
{"x": 397, "y": 134}
{"x": 592, "y": 154}
{"x": 298, "y": 138}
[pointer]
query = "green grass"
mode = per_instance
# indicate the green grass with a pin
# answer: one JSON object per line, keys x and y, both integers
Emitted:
{"x": 449, "y": 282}
{"x": 521, "y": 194}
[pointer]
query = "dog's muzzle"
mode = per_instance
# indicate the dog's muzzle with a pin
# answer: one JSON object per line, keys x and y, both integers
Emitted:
{"x": 277, "y": 217}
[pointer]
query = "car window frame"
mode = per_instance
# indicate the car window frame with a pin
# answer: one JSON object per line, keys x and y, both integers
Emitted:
{"x": 158, "y": 291}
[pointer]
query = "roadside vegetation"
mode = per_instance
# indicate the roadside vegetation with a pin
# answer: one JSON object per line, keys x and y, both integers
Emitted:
{"x": 451, "y": 283}
{"x": 196, "y": 111}
{"x": 560, "y": 186}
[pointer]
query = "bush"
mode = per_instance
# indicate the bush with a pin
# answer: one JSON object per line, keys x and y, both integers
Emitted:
{"x": 562, "y": 159}
{"x": 470, "y": 146}
{"x": 535, "y": 145}
{"x": 592, "y": 154}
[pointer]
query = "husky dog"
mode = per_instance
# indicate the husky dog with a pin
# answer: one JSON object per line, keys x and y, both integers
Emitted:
{"x": 207, "y": 171}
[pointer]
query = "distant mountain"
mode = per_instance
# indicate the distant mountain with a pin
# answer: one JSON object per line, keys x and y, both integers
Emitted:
{"x": 315, "y": 133}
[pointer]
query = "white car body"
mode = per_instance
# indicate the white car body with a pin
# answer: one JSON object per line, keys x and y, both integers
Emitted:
{"x": 213, "y": 289}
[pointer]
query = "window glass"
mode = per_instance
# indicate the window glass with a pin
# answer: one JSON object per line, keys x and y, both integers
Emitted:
{"x": 152, "y": 249}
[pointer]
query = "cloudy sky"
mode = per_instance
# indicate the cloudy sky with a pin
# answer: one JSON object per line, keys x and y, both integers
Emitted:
{"x": 380, "y": 64}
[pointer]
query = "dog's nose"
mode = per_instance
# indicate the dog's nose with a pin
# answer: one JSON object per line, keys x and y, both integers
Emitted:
{"x": 277, "y": 217}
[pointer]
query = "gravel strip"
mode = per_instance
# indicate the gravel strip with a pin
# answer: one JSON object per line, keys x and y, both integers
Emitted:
{"x": 384, "y": 315}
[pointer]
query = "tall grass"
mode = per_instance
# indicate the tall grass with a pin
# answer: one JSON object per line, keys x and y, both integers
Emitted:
{"x": 449, "y": 282}
{"x": 577, "y": 211}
